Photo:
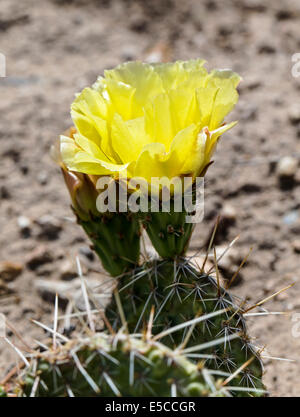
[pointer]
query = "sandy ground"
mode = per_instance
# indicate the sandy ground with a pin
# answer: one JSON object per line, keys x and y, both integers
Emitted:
{"x": 55, "y": 48}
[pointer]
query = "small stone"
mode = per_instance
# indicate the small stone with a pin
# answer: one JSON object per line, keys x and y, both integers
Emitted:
{"x": 39, "y": 256}
{"x": 296, "y": 245}
{"x": 42, "y": 178}
{"x": 10, "y": 270}
{"x": 68, "y": 270}
{"x": 229, "y": 212}
{"x": 50, "y": 228}
{"x": 25, "y": 226}
{"x": 287, "y": 166}
{"x": 23, "y": 222}
{"x": 294, "y": 114}
{"x": 291, "y": 217}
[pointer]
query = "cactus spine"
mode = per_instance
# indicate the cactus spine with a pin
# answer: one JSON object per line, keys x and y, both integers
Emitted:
{"x": 120, "y": 365}
{"x": 116, "y": 240}
{"x": 180, "y": 293}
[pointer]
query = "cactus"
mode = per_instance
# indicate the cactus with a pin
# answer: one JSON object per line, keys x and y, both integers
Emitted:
{"x": 169, "y": 233}
{"x": 114, "y": 365}
{"x": 168, "y": 228}
{"x": 115, "y": 235}
{"x": 150, "y": 121}
{"x": 116, "y": 240}
{"x": 179, "y": 293}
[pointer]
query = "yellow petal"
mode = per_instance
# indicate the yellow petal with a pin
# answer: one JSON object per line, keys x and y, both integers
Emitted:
{"x": 121, "y": 96}
{"x": 150, "y": 163}
{"x": 181, "y": 74}
{"x": 86, "y": 126}
{"x": 90, "y": 147}
{"x": 78, "y": 160}
{"x": 220, "y": 76}
{"x": 142, "y": 78}
{"x": 187, "y": 150}
{"x": 91, "y": 103}
{"x": 151, "y": 119}
{"x": 226, "y": 98}
{"x": 184, "y": 157}
{"x": 158, "y": 120}
{"x": 68, "y": 150}
{"x": 184, "y": 108}
{"x": 214, "y": 136}
{"x": 128, "y": 137}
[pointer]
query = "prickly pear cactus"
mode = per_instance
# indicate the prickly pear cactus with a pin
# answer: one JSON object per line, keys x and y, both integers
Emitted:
{"x": 168, "y": 232}
{"x": 180, "y": 293}
{"x": 120, "y": 365}
{"x": 116, "y": 240}
{"x": 115, "y": 235}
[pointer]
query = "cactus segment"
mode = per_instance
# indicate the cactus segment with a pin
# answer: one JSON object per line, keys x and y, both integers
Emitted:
{"x": 115, "y": 234}
{"x": 180, "y": 293}
{"x": 168, "y": 232}
{"x": 120, "y": 365}
{"x": 116, "y": 240}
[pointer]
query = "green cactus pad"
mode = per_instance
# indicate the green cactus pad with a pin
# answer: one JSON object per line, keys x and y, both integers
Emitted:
{"x": 169, "y": 232}
{"x": 116, "y": 240}
{"x": 120, "y": 365}
{"x": 180, "y": 293}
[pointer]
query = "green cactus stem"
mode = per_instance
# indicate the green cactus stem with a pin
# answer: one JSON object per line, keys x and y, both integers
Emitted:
{"x": 116, "y": 240}
{"x": 180, "y": 293}
{"x": 168, "y": 231}
{"x": 119, "y": 365}
{"x": 115, "y": 235}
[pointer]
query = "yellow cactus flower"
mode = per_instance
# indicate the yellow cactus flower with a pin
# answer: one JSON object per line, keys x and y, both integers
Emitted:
{"x": 150, "y": 120}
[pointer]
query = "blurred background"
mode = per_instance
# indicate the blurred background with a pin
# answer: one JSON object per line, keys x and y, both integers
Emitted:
{"x": 53, "y": 49}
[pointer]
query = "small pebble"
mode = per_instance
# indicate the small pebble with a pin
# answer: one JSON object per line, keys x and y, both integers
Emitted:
{"x": 68, "y": 270}
{"x": 10, "y": 270}
{"x": 23, "y": 222}
{"x": 291, "y": 217}
{"x": 42, "y": 178}
{"x": 229, "y": 212}
{"x": 25, "y": 226}
{"x": 287, "y": 166}
{"x": 296, "y": 245}
{"x": 294, "y": 114}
